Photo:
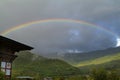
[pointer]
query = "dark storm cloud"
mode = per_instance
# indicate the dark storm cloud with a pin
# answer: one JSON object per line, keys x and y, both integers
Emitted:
{"x": 101, "y": 12}
{"x": 20, "y": 11}
{"x": 57, "y": 37}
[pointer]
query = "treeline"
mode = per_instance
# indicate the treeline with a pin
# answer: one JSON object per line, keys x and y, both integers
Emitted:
{"x": 95, "y": 74}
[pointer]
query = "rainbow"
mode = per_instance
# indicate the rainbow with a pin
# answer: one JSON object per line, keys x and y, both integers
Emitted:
{"x": 53, "y": 20}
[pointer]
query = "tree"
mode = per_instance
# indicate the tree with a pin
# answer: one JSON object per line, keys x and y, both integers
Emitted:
{"x": 99, "y": 74}
{"x": 113, "y": 75}
{"x": 1, "y": 75}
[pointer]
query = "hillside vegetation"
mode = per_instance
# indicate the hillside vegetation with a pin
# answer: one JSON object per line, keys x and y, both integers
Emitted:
{"x": 97, "y": 65}
{"x": 77, "y": 58}
{"x": 31, "y": 64}
{"x": 101, "y": 60}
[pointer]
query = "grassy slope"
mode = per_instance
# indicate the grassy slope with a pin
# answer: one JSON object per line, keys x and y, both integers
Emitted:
{"x": 30, "y": 64}
{"x": 101, "y": 60}
{"x": 73, "y": 58}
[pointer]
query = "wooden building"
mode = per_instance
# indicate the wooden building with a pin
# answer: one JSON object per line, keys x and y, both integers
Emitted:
{"x": 8, "y": 48}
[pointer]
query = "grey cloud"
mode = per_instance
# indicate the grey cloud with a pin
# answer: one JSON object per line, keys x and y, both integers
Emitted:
{"x": 55, "y": 37}
{"x": 101, "y": 12}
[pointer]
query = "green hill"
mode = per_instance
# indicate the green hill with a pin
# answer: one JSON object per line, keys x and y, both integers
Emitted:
{"x": 110, "y": 63}
{"x": 30, "y": 64}
{"x": 77, "y": 58}
{"x": 108, "y": 59}
{"x": 34, "y": 65}
{"x": 101, "y": 60}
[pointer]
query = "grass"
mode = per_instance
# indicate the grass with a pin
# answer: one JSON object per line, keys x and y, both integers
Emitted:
{"x": 100, "y": 60}
{"x": 30, "y": 64}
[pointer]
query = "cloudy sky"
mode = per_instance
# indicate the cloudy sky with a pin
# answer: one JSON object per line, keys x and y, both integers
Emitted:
{"x": 60, "y": 36}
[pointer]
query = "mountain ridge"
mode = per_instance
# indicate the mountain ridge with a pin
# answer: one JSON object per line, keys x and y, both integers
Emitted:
{"x": 31, "y": 64}
{"x": 73, "y": 58}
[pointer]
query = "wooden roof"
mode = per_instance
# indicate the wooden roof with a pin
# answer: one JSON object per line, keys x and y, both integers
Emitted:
{"x": 13, "y": 45}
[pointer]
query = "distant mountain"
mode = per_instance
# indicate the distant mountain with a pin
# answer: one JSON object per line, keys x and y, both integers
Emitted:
{"x": 73, "y": 58}
{"x": 31, "y": 64}
{"x": 108, "y": 59}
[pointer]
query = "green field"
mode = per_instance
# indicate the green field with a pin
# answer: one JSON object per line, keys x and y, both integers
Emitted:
{"x": 92, "y": 57}
{"x": 31, "y": 64}
{"x": 100, "y": 60}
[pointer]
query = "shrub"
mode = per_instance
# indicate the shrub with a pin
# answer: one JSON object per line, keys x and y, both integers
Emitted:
{"x": 1, "y": 75}
{"x": 99, "y": 74}
{"x": 113, "y": 75}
